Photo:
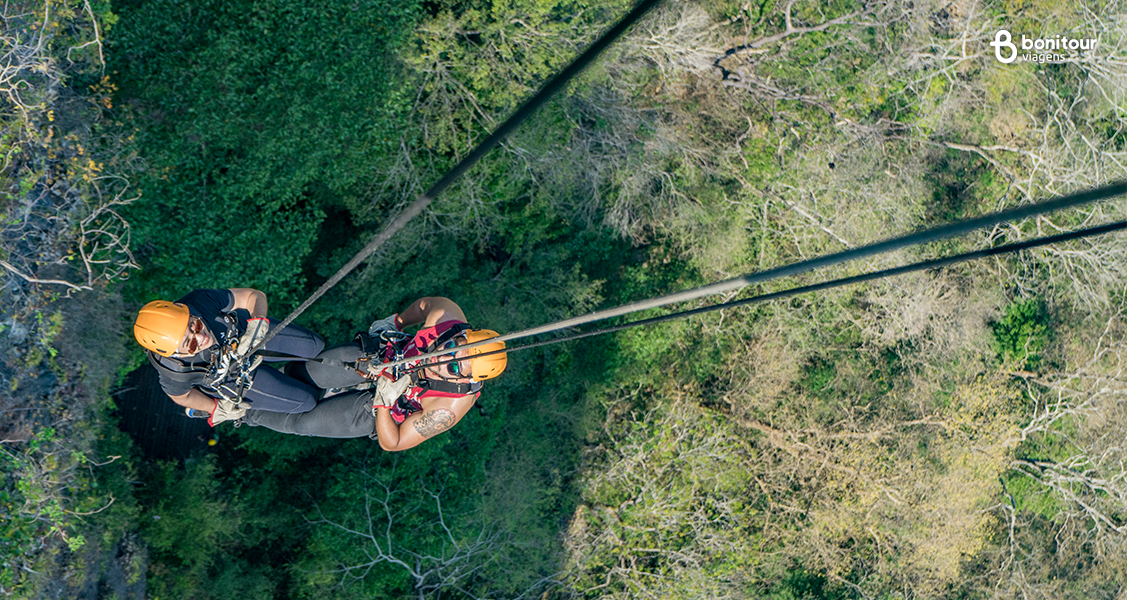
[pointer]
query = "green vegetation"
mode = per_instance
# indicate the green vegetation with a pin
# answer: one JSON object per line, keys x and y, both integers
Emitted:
{"x": 1021, "y": 335}
{"x": 254, "y": 120}
{"x": 61, "y": 238}
{"x": 947, "y": 434}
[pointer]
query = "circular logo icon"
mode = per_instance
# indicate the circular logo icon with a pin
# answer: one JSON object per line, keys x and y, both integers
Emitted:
{"x": 1003, "y": 39}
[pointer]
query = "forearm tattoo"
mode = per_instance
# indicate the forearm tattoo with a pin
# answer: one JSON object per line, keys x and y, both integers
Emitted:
{"x": 434, "y": 422}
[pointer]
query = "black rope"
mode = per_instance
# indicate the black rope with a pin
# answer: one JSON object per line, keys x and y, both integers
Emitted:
{"x": 919, "y": 266}
{"x": 912, "y": 239}
{"x": 554, "y": 85}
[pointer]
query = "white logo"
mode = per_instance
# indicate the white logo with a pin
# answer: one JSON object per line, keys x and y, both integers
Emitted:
{"x": 1003, "y": 39}
{"x": 1055, "y": 49}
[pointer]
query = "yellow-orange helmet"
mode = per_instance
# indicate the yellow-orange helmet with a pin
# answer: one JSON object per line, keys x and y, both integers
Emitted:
{"x": 486, "y": 367}
{"x": 160, "y": 326}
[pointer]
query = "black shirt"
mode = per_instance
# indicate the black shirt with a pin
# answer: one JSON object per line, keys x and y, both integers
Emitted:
{"x": 213, "y": 306}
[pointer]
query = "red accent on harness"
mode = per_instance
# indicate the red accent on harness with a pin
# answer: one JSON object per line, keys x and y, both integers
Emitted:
{"x": 410, "y": 401}
{"x": 418, "y": 345}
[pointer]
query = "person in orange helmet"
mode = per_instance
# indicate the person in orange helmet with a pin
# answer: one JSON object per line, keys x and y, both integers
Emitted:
{"x": 401, "y": 413}
{"x": 184, "y": 339}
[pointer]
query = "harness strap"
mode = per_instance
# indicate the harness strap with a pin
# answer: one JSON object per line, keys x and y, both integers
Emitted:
{"x": 178, "y": 370}
{"x": 451, "y": 333}
{"x": 368, "y": 344}
{"x": 267, "y": 354}
{"x": 445, "y": 387}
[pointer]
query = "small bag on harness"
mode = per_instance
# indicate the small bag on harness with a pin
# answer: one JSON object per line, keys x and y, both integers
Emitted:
{"x": 404, "y": 407}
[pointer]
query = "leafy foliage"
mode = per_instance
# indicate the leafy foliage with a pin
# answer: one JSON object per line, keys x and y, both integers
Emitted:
{"x": 1023, "y": 332}
{"x": 258, "y": 117}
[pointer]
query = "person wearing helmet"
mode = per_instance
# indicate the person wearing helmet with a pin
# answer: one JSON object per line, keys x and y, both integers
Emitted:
{"x": 402, "y": 413}
{"x": 182, "y": 339}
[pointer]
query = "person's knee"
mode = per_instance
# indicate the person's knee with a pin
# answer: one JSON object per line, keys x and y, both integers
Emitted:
{"x": 317, "y": 344}
{"x": 296, "y": 340}
{"x": 276, "y": 392}
{"x": 304, "y": 403}
{"x": 309, "y": 343}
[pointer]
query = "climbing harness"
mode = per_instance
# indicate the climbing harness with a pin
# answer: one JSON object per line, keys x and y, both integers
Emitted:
{"x": 401, "y": 347}
{"x": 226, "y": 374}
{"x": 229, "y": 368}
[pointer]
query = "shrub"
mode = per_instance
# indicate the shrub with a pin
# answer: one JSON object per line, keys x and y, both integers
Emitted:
{"x": 1023, "y": 332}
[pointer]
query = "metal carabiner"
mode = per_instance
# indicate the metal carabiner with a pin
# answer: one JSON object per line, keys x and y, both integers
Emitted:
{"x": 232, "y": 323}
{"x": 395, "y": 339}
{"x": 362, "y": 370}
{"x": 394, "y": 336}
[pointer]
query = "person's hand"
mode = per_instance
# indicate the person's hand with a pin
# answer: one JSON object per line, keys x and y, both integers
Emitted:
{"x": 385, "y": 324}
{"x": 389, "y": 390}
{"x": 255, "y": 333}
{"x": 226, "y": 410}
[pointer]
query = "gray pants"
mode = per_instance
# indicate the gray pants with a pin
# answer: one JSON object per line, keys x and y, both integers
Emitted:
{"x": 276, "y": 391}
{"x": 348, "y": 415}
{"x": 328, "y": 377}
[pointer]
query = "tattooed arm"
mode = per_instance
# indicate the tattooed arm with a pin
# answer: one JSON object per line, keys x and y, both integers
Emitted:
{"x": 423, "y": 425}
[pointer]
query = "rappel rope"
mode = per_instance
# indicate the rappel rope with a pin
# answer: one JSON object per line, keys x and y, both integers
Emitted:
{"x": 817, "y": 287}
{"x": 912, "y": 239}
{"x": 554, "y": 85}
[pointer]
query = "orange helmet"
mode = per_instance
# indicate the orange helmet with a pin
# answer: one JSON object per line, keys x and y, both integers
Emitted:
{"x": 486, "y": 367}
{"x": 160, "y": 326}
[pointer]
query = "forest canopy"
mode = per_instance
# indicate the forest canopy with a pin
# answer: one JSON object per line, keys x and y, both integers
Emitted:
{"x": 950, "y": 433}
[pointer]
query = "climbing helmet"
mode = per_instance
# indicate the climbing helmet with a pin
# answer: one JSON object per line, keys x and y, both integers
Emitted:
{"x": 160, "y": 326}
{"x": 486, "y": 367}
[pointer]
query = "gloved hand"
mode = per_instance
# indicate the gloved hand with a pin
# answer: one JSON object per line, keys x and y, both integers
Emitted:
{"x": 226, "y": 410}
{"x": 256, "y": 332}
{"x": 400, "y": 409}
{"x": 389, "y": 390}
{"x": 385, "y": 324}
